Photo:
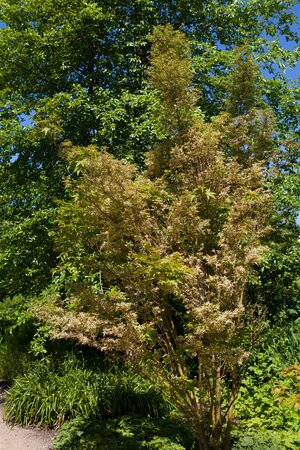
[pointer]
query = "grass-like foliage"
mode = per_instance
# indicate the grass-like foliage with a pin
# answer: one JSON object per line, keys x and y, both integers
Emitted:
{"x": 50, "y": 395}
{"x": 126, "y": 433}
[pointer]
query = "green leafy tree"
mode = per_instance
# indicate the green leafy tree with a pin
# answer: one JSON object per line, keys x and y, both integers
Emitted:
{"x": 155, "y": 264}
{"x": 76, "y": 70}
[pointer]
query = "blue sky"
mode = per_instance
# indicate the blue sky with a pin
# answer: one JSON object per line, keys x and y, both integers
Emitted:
{"x": 294, "y": 72}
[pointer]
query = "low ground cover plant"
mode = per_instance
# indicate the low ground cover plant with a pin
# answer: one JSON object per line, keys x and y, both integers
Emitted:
{"x": 125, "y": 433}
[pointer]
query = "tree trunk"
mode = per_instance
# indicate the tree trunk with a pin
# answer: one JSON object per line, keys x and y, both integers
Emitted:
{"x": 227, "y": 438}
{"x": 202, "y": 439}
{"x": 217, "y": 428}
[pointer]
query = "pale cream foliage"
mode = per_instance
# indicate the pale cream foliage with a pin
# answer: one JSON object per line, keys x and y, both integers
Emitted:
{"x": 175, "y": 253}
{"x": 174, "y": 246}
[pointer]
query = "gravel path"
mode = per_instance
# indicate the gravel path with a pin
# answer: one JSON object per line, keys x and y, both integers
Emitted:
{"x": 16, "y": 438}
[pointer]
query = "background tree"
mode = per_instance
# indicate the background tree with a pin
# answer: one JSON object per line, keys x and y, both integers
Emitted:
{"x": 76, "y": 70}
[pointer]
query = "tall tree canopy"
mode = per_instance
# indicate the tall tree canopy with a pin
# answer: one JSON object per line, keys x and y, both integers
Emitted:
{"x": 77, "y": 70}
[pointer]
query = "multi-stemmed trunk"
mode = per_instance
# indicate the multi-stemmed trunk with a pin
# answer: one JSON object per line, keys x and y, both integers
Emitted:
{"x": 214, "y": 425}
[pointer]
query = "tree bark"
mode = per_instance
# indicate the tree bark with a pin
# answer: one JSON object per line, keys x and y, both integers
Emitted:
{"x": 227, "y": 438}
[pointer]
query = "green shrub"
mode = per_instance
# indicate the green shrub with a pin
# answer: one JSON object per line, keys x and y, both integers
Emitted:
{"x": 13, "y": 362}
{"x": 16, "y": 331}
{"x": 126, "y": 433}
{"x": 50, "y": 394}
{"x": 267, "y": 407}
